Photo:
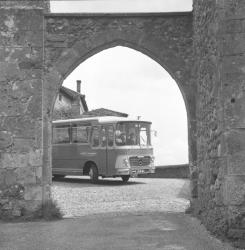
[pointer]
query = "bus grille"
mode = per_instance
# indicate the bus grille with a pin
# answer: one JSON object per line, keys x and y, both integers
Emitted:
{"x": 139, "y": 161}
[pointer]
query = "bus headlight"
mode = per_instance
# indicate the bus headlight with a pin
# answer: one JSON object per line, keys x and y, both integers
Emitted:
{"x": 122, "y": 162}
{"x": 125, "y": 163}
{"x": 152, "y": 159}
{"x": 152, "y": 162}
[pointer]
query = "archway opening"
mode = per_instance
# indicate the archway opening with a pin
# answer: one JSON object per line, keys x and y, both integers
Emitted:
{"x": 127, "y": 81}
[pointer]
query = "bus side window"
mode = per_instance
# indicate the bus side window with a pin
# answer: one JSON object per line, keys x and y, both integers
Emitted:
{"x": 79, "y": 134}
{"x": 95, "y": 138}
{"x": 61, "y": 135}
{"x": 110, "y": 140}
{"x": 103, "y": 136}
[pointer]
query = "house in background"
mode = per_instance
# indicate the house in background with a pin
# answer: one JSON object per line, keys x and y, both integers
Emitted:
{"x": 72, "y": 104}
{"x": 69, "y": 103}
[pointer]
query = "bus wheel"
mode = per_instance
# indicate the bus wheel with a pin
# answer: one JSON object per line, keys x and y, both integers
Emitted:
{"x": 93, "y": 174}
{"x": 125, "y": 178}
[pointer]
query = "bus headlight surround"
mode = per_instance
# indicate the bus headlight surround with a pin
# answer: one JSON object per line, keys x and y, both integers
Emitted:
{"x": 125, "y": 163}
{"x": 152, "y": 162}
{"x": 122, "y": 162}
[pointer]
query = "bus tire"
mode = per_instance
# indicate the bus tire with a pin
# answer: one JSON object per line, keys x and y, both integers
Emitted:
{"x": 125, "y": 178}
{"x": 93, "y": 173}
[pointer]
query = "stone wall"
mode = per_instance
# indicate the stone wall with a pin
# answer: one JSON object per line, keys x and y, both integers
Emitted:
{"x": 219, "y": 71}
{"x": 233, "y": 98}
{"x": 21, "y": 57}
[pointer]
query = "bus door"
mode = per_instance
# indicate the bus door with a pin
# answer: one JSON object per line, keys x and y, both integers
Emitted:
{"x": 61, "y": 150}
{"x": 98, "y": 143}
{"x": 111, "y": 155}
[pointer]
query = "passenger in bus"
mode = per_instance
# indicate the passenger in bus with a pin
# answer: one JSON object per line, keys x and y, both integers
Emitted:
{"x": 120, "y": 138}
{"x": 103, "y": 137}
{"x": 131, "y": 139}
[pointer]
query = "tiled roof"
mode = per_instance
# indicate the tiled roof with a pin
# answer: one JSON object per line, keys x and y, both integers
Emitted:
{"x": 70, "y": 93}
{"x": 73, "y": 95}
{"x": 103, "y": 112}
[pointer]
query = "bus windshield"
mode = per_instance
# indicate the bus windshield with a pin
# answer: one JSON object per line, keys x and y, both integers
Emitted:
{"x": 132, "y": 133}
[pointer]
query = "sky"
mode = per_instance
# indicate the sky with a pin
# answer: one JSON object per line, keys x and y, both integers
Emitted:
{"x": 121, "y": 5}
{"x": 135, "y": 84}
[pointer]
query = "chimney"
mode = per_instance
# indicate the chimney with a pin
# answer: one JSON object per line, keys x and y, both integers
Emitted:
{"x": 79, "y": 86}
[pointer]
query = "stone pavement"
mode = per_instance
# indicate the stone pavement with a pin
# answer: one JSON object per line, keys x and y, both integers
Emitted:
{"x": 139, "y": 231}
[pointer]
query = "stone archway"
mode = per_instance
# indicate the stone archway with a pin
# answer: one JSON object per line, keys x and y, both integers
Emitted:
{"x": 38, "y": 50}
{"x": 166, "y": 38}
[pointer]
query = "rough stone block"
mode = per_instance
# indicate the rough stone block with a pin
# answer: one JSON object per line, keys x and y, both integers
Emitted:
{"x": 29, "y": 19}
{"x": 15, "y": 160}
{"x": 19, "y": 24}
{"x": 233, "y": 26}
{"x": 243, "y": 222}
{"x": 67, "y": 61}
{"x": 2, "y": 176}
{"x": 236, "y": 233}
{"x": 234, "y": 9}
{"x": 22, "y": 145}
{"x": 35, "y": 158}
{"x": 236, "y": 164}
{"x": 6, "y": 139}
{"x": 25, "y": 4}
{"x": 233, "y": 44}
{"x": 218, "y": 198}
{"x": 235, "y": 141}
{"x": 9, "y": 71}
{"x": 26, "y": 175}
{"x": 33, "y": 193}
{"x": 38, "y": 134}
{"x": 233, "y": 64}
{"x": 8, "y": 206}
{"x": 4, "y": 201}
{"x": 21, "y": 126}
{"x": 10, "y": 178}
{"x": 234, "y": 190}
{"x": 234, "y": 111}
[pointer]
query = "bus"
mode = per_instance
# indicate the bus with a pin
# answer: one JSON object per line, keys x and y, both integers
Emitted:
{"x": 102, "y": 147}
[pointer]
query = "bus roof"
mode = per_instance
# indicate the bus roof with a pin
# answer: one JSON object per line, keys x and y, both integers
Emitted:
{"x": 98, "y": 119}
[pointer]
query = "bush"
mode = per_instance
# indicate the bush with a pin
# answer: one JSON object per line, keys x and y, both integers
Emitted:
{"x": 48, "y": 211}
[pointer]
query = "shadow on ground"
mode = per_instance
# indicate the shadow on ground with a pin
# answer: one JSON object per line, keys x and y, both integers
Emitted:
{"x": 165, "y": 231}
{"x": 102, "y": 182}
{"x": 185, "y": 191}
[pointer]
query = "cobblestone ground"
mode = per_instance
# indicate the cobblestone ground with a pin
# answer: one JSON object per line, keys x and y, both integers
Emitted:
{"x": 76, "y": 196}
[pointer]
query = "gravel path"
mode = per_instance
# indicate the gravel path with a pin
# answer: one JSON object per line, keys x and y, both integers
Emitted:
{"x": 78, "y": 197}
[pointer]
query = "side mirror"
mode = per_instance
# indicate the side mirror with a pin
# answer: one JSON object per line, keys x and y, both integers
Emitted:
{"x": 154, "y": 132}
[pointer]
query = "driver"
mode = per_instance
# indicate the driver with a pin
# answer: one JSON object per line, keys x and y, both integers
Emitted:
{"x": 131, "y": 139}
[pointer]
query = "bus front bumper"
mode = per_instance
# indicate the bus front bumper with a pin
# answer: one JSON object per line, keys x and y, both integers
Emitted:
{"x": 135, "y": 172}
